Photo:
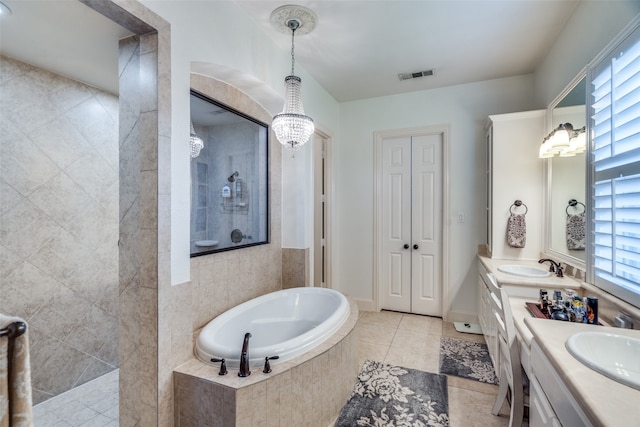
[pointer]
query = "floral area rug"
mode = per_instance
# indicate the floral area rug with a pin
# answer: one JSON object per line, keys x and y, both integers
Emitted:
{"x": 391, "y": 396}
{"x": 467, "y": 360}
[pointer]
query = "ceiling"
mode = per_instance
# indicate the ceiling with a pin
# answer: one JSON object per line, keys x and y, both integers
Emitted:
{"x": 356, "y": 51}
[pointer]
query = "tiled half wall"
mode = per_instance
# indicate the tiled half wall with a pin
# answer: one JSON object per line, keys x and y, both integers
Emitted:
{"x": 59, "y": 223}
{"x": 307, "y": 391}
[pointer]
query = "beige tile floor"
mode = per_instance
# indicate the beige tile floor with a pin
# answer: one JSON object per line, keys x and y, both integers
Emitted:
{"x": 93, "y": 404}
{"x": 400, "y": 339}
{"x": 413, "y": 341}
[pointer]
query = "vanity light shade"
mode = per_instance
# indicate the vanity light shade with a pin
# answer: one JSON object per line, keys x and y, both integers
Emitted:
{"x": 560, "y": 137}
{"x": 578, "y": 143}
{"x": 292, "y": 127}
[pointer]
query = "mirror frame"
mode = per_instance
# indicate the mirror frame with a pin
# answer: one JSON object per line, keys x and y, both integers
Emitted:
{"x": 267, "y": 166}
{"x": 547, "y": 229}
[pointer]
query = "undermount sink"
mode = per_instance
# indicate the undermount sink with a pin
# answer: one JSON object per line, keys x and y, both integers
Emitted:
{"x": 524, "y": 270}
{"x": 614, "y": 356}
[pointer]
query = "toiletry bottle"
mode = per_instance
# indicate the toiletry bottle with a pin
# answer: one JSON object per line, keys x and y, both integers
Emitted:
{"x": 238, "y": 188}
{"x": 592, "y": 310}
{"x": 226, "y": 191}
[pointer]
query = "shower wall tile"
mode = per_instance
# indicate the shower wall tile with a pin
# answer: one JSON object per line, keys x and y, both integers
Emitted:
{"x": 24, "y": 166}
{"x": 61, "y": 141}
{"x": 57, "y": 240}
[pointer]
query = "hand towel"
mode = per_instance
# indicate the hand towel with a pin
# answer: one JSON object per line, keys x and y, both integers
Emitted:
{"x": 516, "y": 231}
{"x": 576, "y": 231}
{"x": 15, "y": 386}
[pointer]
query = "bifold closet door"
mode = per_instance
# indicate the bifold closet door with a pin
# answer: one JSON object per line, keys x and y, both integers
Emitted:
{"x": 412, "y": 224}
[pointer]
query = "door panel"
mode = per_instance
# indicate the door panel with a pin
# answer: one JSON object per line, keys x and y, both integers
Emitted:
{"x": 427, "y": 224}
{"x": 412, "y": 215}
{"x": 396, "y": 224}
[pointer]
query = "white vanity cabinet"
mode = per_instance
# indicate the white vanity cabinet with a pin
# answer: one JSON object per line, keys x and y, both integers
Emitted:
{"x": 487, "y": 318}
{"x": 551, "y": 401}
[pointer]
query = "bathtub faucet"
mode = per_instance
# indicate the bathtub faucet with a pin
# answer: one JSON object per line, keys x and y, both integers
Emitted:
{"x": 244, "y": 357}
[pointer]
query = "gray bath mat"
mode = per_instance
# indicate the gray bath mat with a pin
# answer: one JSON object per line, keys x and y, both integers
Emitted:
{"x": 467, "y": 360}
{"x": 395, "y": 396}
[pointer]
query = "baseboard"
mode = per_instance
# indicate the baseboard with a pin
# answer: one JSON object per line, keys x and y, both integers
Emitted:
{"x": 462, "y": 316}
{"x": 365, "y": 305}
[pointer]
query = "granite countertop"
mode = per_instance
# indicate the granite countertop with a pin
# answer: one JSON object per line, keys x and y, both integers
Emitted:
{"x": 492, "y": 265}
{"x": 603, "y": 400}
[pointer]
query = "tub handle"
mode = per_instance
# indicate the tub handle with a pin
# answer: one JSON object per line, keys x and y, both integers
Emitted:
{"x": 223, "y": 366}
{"x": 267, "y": 365}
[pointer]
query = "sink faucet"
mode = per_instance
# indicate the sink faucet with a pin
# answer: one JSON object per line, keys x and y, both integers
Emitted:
{"x": 244, "y": 357}
{"x": 554, "y": 267}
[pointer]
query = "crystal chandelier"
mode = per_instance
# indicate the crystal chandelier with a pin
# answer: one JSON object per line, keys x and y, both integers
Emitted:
{"x": 292, "y": 127}
{"x": 195, "y": 142}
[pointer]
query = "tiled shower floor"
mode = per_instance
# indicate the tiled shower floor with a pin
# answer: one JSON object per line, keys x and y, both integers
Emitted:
{"x": 94, "y": 404}
{"x": 401, "y": 339}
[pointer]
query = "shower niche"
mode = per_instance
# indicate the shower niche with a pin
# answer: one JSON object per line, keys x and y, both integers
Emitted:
{"x": 229, "y": 178}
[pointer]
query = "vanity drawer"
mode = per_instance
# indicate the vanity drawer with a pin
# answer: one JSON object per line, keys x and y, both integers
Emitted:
{"x": 560, "y": 398}
{"x": 540, "y": 411}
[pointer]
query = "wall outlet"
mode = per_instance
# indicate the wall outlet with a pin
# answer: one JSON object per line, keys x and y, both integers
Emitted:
{"x": 461, "y": 217}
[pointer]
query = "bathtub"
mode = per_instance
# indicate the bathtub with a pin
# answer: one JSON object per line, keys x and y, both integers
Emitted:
{"x": 284, "y": 323}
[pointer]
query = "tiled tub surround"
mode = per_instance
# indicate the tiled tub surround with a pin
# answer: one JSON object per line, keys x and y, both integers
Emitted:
{"x": 295, "y": 267}
{"x": 309, "y": 390}
{"x": 59, "y": 223}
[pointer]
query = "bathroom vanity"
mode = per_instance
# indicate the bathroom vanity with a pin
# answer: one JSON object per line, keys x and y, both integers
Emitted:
{"x": 562, "y": 391}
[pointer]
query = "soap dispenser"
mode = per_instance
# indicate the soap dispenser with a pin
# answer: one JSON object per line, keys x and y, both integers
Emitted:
{"x": 226, "y": 191}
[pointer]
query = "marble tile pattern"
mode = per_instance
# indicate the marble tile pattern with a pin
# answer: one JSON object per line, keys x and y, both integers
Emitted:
{"x": 59, "y": 223}
{"x": 139, "y": 235}
{"x": 308, "y": 390}
{"x": 93, "y": 404}
{"x": 295, "y": 271}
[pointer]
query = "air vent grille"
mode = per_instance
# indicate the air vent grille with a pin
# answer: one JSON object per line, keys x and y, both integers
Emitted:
{"x": 418, "y": 74}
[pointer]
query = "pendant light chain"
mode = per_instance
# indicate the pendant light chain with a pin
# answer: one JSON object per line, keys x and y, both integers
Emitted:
{"x": 293, "y": 33}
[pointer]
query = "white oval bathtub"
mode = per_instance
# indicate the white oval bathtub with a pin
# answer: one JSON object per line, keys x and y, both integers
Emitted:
{"x": 284, "y": 323}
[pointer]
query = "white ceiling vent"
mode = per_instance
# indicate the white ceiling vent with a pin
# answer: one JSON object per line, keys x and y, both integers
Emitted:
{"x": 407, "y": 76}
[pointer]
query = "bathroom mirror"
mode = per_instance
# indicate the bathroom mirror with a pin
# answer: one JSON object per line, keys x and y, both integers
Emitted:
{"x": 566, "y": 181}
{"x": 229, "y": 179}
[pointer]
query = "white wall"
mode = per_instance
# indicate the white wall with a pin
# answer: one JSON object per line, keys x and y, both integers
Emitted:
{"x": 591, "y": 27}
{"x": 517, "y": 175}
{"x": 465, "y": 109}
{"x": 219, "y": 39}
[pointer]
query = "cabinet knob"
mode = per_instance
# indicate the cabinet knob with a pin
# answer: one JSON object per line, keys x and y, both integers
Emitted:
{"x": 406, "y": 246}
{"x": 415, "y": 246}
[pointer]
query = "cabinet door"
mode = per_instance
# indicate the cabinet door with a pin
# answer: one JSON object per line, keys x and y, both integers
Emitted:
{"x": 540, "y": 411}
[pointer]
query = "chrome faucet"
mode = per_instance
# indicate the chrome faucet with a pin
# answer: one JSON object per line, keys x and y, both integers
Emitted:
{"x": 244, "y": 357}
{"x": 554, "y": 267}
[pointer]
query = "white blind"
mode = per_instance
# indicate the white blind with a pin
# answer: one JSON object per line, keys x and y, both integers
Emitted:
{"x": 615, "y": 125}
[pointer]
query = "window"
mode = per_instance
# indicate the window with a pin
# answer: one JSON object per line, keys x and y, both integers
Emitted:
{"x": 615, "y": 168}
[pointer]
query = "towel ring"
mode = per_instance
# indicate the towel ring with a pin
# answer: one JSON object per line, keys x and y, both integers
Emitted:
{"x": 573, "y": 203}
{"x": 518, "y": 203}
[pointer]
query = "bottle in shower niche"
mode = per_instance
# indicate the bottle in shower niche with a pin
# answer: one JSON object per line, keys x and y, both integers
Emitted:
{"x": 239, "y": 188}
{"x": 226, "y": 191}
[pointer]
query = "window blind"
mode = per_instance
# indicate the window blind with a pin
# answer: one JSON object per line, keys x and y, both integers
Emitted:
{"x": 615, "y": 161}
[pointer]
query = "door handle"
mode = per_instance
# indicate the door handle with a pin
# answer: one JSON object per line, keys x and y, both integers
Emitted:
{"x": 406, "y": 246}
{"x": 415, "y": 246}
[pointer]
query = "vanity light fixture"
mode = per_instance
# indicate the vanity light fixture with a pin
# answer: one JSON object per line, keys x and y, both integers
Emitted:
{"x": 292, "y": 127}
{"x": 559, "y": 142}
{"x": 4, "y": 9}
{"x": 195, "y": 143}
